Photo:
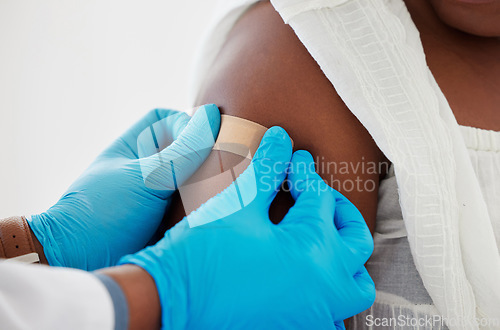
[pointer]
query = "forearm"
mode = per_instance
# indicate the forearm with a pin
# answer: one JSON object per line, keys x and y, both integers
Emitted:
{"x": 17, "y": 240}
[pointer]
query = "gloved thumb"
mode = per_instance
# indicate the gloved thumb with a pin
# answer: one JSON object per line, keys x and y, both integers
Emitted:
{"x": 257, "y": 185}
{"x": 269, "y": 164}
{"x": 171, "y": 167}
{"x": 314, "y": 200}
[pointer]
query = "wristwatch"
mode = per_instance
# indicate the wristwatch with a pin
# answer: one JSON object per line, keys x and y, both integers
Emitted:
{"x": 16, "y": 243}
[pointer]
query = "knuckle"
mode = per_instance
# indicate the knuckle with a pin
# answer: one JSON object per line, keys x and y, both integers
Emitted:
{"x": 370, "y": 296}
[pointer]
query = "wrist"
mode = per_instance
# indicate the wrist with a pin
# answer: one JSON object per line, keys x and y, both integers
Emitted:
{"x": 38, "y": 247}
{"x": 168, "y": 274}
{"x": 38, "y": 225}
{"x": 141, "y": 294}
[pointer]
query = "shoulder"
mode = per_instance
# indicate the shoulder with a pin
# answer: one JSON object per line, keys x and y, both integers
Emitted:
{"x": 265, "y": 74}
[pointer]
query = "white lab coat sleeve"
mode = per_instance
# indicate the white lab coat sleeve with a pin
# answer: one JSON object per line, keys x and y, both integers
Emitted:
{"x": 42, "y": 297}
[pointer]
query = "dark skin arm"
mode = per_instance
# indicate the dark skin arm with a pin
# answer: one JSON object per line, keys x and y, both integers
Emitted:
{"x": 38, "y": 248}
{"x": 263, "y": 73}
{"x": 141, "y": 293}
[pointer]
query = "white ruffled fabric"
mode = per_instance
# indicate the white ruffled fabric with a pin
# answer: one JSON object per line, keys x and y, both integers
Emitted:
{"x": 402, "y": 301}
{"x": 484, "y": 152}
{"x": 371, "y": 52}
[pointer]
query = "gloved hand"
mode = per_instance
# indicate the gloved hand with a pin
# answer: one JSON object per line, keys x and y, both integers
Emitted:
{"x": 220, "y": 269}
{"x": 117, "y": 204}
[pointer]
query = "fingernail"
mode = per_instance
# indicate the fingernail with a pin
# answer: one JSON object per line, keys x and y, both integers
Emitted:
{"x": 304, "y": 155}
{"x": 273, "y": 143}
{"x": 207, "y": 114}
{"x": 303, "y": 163}
{"x": 275, "y": 137}
{"x": 277, "y": 132}
{"x": 204, "y": 112}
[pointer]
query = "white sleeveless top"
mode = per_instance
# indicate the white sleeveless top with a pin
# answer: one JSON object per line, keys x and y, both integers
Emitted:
{"x": 371, "y": 52}
{"x": 401, "y": 296}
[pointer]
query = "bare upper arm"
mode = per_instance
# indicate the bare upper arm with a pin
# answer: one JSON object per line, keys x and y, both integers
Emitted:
{"x": 263, "y": 73}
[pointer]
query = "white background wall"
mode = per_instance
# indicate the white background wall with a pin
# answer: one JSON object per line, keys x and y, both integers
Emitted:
{"x": 74, "y": 75}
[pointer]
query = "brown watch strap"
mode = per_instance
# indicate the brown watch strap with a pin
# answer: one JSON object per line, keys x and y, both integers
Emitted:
{"x": 15, "y": 238}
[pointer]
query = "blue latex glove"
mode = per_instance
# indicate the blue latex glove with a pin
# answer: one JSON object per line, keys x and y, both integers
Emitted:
{"x": 117, "y": 204}
{"x": 220, "y": 269}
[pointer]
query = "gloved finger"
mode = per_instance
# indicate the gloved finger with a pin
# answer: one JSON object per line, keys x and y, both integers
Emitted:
{"x": 353, "y": 231}
{"x": 314, "y": 201}
{"x": 269, "y": 164}
{"x": 172, "y": 166}
{"x": 161, "y": 134}
{"x": 258, "y": 184}
{"x": 339, "y": 325}
{"x": 359, "y": 295}
{"x": 160, "y": 125}
{"x": 164, "y": 132}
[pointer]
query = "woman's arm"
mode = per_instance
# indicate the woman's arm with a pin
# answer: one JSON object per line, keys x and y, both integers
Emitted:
{"x": 263, "y": 73}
